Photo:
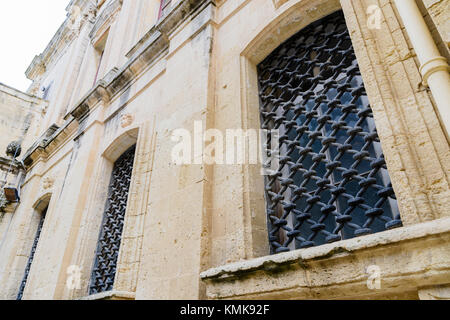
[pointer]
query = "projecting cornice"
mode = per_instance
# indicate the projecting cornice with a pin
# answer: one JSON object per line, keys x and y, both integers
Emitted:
{"x": 167, "y": 24}
{"x": 145, "y": 52}
{"x": 105, "y": 18}
{"x": 49, "y": 141}
{"x": 152, "y": 44}
{"x": 79, "y": 12}
{"x": 7, "y": 164}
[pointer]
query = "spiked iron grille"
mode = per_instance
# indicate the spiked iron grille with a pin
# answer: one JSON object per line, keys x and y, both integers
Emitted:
{"x": 332, "y": 182}
{"x": 104, "y": 271}
{"x": 30, "y": 259}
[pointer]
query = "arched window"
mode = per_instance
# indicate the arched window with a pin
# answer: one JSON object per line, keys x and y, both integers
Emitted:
{"x": 104, "y": 271}
{"x": 332, "y": 182}
{"x": 33, "y": 251}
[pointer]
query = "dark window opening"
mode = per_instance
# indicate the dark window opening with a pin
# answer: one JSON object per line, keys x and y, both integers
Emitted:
{"x": 104, "y": 271}
{"x": 332, "y": 182}
{"x": 31, "y": 257}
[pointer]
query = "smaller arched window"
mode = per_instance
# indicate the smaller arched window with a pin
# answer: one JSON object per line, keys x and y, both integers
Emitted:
{"x": 104, "y": 271}
{"x": 42, "y": 213}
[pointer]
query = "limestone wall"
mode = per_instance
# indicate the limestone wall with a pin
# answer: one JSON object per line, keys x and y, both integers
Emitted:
{"x": 19, "y": 117}
{"x": 439, "y": 13}
{"x": 186, "y": 226}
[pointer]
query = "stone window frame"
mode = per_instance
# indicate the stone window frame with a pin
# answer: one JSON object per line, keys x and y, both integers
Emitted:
{"x": 84, "y": 254}
{"x": 127, "y": 270}
{"x": 406, "y": 166}
{"x": 417, "y": 155}
{"x": 43, "y": 203}
{"x": 104, "y": 20}
{"x": 99, "y": 51}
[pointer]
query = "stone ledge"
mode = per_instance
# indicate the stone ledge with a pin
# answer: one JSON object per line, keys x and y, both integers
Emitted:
{"x": 6, "y": 163}
{"x": 111, "y": 295}
{"x": 22, "y": 95}
{"x": 409, "y": 258}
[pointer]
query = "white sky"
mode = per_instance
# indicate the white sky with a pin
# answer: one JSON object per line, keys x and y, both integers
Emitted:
{"x": 26, "y": 27}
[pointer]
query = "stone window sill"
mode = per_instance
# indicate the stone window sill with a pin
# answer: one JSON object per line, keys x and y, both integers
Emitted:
{"x": 111, "y": 295}
{"x": 407, "y": 258}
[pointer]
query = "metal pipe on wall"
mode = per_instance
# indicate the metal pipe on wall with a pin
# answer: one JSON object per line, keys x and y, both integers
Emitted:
{"x": 433, "y": 67}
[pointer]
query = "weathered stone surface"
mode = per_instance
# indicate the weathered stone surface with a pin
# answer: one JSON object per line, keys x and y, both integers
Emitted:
{"x": 401, "y": 256}
{"x": 199, "y": 231}
{"x": 3, "y": 201}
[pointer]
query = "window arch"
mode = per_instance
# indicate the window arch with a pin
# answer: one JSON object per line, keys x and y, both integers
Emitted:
{"x": 332, "y": 182}
{"x": 105, "y": 264}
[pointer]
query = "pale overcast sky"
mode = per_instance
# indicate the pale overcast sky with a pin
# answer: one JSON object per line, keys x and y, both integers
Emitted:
{"x": 26, "y": 27}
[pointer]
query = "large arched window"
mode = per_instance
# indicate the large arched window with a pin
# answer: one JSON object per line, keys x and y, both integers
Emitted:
{"x": 332, "y": 182}
{"x": 104, "y": 271}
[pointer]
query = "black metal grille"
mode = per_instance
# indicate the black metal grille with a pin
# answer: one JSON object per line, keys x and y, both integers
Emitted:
{"x": 104, "y": 271}
{"x": 332, "y": 182}
{"x": 30, "y": 259}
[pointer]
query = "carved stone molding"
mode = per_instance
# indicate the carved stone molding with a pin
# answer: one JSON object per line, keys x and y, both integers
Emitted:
{"x": 279, "y": 3}
{"x": 322, "y": 272}
{"x": 111, "y": 295}
{"x": 3, "y": 201}
{"x": 435, "y": 293}
{"x": 149, "y": 48}
{"x": 126, "y": 120}
{"x": 47, "y": 183}
{"x": 79, "y": 13}
{"x": 49, "y": 141}
{"x": 105, "y": 18}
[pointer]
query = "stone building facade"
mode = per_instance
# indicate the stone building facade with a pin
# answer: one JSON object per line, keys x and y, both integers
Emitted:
{"x": 19, "y": 126}
{"x": 358, "y": 208}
